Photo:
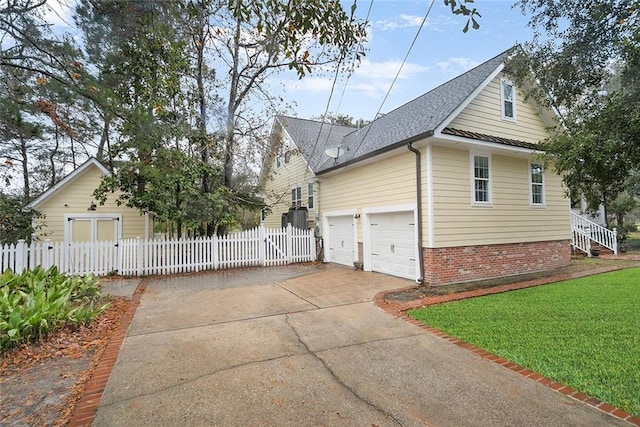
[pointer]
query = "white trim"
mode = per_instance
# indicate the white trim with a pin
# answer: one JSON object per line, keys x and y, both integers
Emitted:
{"x": 93, "y": 218}
{"x": 544, "y": 192}
{"x": 430, "y": 207}
{"x": 366, "y": 233}
{"x": 68, "y": 179}
{"x": 392, "y": 208}
{"x": 313, "y": 194}
{"x": 472, "y": 155}
{"x": 468, "y": 100}
{"x": 326, "y": 232}
{"x": 294, "y": 187}
{"x": 504, "y": 81}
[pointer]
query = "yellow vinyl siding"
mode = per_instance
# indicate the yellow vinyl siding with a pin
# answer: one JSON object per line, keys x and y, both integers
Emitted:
{"x": 509, "y": 219}
{"x": 387, "y": 182}
{"x": 277, "y": 189}
{"x": 77, "y": 195}
{"x": 484, "y": 115}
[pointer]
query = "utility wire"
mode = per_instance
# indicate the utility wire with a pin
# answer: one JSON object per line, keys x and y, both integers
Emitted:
{"x": 333, "y": 85}
{"x": 396, "y": 77}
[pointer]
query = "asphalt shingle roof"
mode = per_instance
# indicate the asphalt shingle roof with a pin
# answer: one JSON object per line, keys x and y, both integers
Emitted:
{"x": 312, "y": 138}
{"x": 414, "y": 120}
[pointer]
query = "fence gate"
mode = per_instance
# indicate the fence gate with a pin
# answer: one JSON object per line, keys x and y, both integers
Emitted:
{"x": 275, "y": 247}
{"x": 92, "y": 244}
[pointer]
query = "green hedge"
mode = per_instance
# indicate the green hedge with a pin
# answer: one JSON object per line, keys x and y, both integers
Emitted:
{"x": 36, "y": 302}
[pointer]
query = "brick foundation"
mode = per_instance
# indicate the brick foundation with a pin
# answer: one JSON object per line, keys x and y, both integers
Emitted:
{"x": 468, "y": 263}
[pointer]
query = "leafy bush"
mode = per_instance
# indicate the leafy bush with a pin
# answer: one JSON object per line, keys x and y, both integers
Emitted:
{"x": 38, "y": 301}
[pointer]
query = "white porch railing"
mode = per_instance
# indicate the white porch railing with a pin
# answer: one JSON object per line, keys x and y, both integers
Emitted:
{"x": 584, "y": 231}
{"x": 136, "y": 257}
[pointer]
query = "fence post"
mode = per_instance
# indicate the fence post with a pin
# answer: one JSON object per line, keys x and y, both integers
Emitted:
{"x": 20, "y": 255}
{"x": 46, "y": 254}
{"x": 262, "y": 243}
{"x": 214, "y": 250}
{"x": 289, "y": 248}
{"x": 139, "y": 258}
{"x": 312, "y": 245}
{"x": 615, "y": 241}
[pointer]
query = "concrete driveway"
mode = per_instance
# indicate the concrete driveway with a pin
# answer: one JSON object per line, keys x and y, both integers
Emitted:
{"x": 305, "y": 345}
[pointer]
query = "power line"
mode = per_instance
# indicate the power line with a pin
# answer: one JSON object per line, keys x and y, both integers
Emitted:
{"x": 397, "y": 75}
{"x": 333, "y": 85}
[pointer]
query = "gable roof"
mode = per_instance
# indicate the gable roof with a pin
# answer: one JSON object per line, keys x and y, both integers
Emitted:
{"x": 420, "y": 118}
{"x": 76, "y": 173}
{"x": 312, "y": 138}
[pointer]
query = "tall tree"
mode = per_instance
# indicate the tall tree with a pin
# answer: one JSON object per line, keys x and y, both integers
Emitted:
{"x": 583, "y": 63}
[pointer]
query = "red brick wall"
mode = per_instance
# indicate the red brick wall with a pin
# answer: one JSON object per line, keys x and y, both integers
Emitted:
{"x": 467, "y": 263}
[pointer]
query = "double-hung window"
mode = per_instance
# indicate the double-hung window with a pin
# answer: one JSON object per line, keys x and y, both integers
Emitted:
{"x": 296, "y": 196}
{"x": 508, "y": 95}
{"x": 536, "y": 180}
{"x": 310, "y": 195}
{"x": 481, "y": 165}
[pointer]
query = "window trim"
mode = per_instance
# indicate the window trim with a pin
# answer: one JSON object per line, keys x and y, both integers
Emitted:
{"x": 472, "y": 176}
{"x": 296, "y": 196}
{"x": 541, "y": 184}
{"x": 310, "y": 196}
{"x": 504, "y": 82}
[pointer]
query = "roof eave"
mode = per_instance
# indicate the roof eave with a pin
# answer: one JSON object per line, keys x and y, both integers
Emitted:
{"x": 67, "y": 179}
{"x": 383, "y": 150}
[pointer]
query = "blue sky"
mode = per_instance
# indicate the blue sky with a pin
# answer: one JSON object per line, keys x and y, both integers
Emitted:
{"x": 441, "y": 52}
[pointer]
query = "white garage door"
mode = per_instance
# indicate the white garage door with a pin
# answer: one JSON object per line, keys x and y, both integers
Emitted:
{"x": 393, "y": 244}
{"x": 340, "y": 245}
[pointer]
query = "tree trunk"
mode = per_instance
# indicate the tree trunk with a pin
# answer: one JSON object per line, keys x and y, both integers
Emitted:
{"x": 104, "y": 138}
{"x": 26, "y": 188}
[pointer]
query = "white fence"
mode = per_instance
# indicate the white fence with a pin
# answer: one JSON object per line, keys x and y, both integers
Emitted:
{"x": 136, "y": 257}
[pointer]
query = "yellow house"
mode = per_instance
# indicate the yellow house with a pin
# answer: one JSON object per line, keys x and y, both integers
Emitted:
{"x": 72, "y": 215}
{"x": 446, "y": 188}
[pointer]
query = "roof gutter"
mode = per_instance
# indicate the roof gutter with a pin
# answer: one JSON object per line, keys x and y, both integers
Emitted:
{"x": 420, "y": 279}
{"x": 377, "y": 152}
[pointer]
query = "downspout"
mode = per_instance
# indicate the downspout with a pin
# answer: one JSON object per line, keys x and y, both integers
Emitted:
{"x": 420, "y": 279}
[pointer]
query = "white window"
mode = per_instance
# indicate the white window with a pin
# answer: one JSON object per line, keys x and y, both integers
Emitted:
{"x": 278, "y": 163}
{"x": 296, "y": 196}
{"x": 508, "y": 95}
{"x": 536, "y": 181}
{"x": 287, "y": 157}
{"x": 481, "y": 185}
{"x": 310, "y": 195}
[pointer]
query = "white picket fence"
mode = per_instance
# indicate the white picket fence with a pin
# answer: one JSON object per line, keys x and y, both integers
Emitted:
{"x": 136, "y": 257}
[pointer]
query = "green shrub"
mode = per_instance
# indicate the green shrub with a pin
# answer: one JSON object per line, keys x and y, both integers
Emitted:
{"x": 36, "y": 302}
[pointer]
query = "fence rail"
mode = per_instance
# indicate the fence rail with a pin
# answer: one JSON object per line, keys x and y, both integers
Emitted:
{"x": 135, "y": 257}
{"x": 584, "y": 231}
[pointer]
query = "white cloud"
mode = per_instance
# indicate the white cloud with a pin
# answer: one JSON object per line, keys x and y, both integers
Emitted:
{"x": 370, "y": 79}
{"x": 402, "y": 21}
{"x": 456, "y": 65}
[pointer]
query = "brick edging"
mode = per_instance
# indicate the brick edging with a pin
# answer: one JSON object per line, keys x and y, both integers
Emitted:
{"x": 85, "y": 409}
{"x": 399, "y": 310}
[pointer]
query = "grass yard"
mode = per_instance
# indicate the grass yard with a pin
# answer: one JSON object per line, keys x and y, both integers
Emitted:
{"x": 584, "y": 333}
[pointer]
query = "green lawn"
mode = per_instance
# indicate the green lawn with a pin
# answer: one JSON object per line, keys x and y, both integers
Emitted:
{"x": 584, "y": 333}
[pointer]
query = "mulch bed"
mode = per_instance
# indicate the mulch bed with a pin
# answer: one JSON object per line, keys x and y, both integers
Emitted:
{"x": 41, "y": 383}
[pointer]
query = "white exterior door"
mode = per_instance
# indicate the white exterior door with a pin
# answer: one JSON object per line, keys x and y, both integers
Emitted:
{"x": 393, "y": 243}
{"x": 92, "y": 228}
{"x": 340, "y": 242}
